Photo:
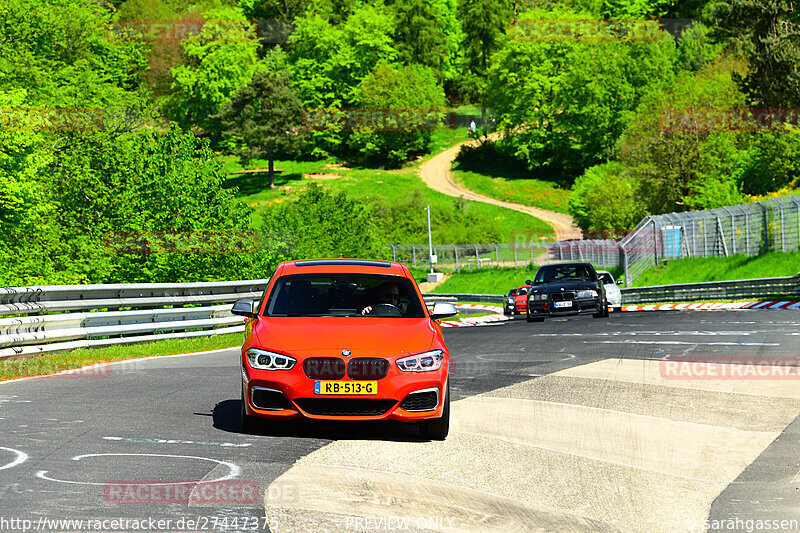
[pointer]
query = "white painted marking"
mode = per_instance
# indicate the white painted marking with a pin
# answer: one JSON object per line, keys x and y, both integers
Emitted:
{"x": 21, "y": 458}
{"x": 687, "y": 343}
{"x": 234, "y": 470}
{"x": 179, "y": 441}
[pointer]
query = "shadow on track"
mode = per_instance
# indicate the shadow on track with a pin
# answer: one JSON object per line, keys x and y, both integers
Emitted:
{"x": 226, "y": 418}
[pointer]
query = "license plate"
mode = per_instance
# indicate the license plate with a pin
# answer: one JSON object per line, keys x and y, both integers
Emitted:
{"x": 345, "y": 387}
{"x": 563, "y": 304}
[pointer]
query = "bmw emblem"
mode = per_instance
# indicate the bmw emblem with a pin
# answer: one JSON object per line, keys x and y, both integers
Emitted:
{"x": 346, "y": 353}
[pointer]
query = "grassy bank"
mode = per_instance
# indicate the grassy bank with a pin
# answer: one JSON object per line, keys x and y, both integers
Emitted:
{"x": 50, "y": 364}
{"x": 694, "y": 270}
{"x": 494, "y": 174}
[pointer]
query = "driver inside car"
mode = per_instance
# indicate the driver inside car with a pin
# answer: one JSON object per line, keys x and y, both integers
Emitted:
{"x": 385, "y": 293}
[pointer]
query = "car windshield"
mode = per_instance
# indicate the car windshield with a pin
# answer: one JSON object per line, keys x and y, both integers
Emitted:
{"x": 521, "y": 291}
{"x": 605, "y": 277}
{"x": 551, "y": 273}
{"x": 343, "y": 295}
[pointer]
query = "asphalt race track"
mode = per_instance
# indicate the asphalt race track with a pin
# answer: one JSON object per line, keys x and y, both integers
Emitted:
{"x": 569, "y": 425}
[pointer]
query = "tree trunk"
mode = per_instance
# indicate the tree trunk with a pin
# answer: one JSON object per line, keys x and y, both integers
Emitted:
{"x": 271, "y": 172}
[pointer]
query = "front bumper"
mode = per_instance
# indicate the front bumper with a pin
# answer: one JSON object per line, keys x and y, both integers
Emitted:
{"x": 547, "y": 308}
{"x": 387, "y": 404}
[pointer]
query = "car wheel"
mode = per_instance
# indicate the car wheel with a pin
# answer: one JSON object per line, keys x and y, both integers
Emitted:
{"x": 438, "y": 428}
{"x": 534, "y": 318}
{"x": 618, "y": 309}
{"x": 248, "y": 422}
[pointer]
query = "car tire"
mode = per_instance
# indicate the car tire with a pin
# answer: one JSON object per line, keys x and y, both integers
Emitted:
{"x": 248, "y": 423}
{"x": 438, "y": 428}
{"x": 618, "y": 309}
{"x": 534, "y": 318}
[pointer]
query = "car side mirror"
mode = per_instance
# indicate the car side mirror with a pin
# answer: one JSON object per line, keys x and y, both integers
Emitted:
{"x": 443, "y": 310}
{"x": 244, "y": 308}
{"x": 620, "y": 282}
{"x": 528, "y": 282}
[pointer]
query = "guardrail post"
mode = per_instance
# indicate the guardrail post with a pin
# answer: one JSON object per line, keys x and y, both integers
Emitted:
{"x": 394, "y": 253}
{"x": 783, "y": 230}
{"x": 655, "y": 241}
{"x": 624, "y": 262}
{"x": 797, "y": 208}
{"x": 455, "y": 250}
{"x": 414, "y": 255}
{"x": 515, "y": 253}
{"x": 747, "y": 229}
{"x": 766, "y": 229}
{"x": 733, "y": 227}
{"x": 496, "y": 255}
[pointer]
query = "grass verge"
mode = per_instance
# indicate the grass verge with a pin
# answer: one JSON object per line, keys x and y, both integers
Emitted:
{"x": 52, "y": 363}
{"x": 697, "y": 269}
{"x": 490, "y": 172}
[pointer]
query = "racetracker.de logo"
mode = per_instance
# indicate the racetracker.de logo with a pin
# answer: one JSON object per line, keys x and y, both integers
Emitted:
{"x": 733, "y": 368}
{"x": 231, "y": 492}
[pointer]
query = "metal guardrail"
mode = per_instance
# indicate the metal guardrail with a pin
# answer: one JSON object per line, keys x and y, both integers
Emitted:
{"x": 38, "y": 320}
{"x": 49, "y": 319}
{"x": 763, "y": 288}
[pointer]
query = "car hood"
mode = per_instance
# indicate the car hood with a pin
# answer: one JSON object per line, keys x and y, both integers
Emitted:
{"x": 363, "y": 336}
{"x": 566, "y": 285}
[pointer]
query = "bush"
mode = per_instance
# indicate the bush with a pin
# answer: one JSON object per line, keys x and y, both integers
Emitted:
{"x": 410, "y": 88}
{"x": 604, "y": 201}
{"x": 321, "y": 224}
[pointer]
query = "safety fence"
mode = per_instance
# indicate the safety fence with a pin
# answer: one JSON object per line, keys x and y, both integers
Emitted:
{"x": 750, "y": 229}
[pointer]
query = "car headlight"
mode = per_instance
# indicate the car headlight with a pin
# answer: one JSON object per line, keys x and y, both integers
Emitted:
{"x": 264, "y": 360}
{"x": 421, "y": 362}
{"x": 586, "y": 294}
{"x": 511, "y": 300}
{"x": 539, "y": 297}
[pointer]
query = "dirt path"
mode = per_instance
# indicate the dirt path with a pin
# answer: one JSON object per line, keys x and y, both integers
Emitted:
{"x": 437, "y": 174}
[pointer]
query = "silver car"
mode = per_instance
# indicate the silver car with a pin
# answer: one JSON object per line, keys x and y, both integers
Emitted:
{"x": 613, "y": 294}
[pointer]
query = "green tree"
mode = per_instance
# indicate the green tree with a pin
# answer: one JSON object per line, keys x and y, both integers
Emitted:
{"x": 568, "y": 101}
{"x": 219, "y": 60}
{"x": 328, "y": 62}
{"x": 604, "y": 202}
{"x": 769, "y": 33}
{"x": 679, "y": 166}
{"x": 262, "y": 119}
{"x": 484, "y": 24}
{"x": 428, "y": 32}
{"x": 408, "y": 98}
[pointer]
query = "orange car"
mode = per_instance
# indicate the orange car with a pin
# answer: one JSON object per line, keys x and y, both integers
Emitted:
{"x": 345, "y": 340}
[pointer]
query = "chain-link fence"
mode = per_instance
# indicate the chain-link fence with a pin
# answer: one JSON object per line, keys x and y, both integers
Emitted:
{"x": 459, "y": 257}
{"x": 751, "y": 229}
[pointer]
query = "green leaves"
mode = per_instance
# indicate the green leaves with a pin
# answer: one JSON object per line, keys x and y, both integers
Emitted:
{"x": 219, "y": 60}
{"x": 769, "y": 33}
{"x": 320, "y": 224}
{"x": 567, "y": 100}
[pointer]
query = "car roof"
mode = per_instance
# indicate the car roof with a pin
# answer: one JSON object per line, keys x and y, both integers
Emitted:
{"x": 572, "y": 263}
{"x": 342, "y": 266}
